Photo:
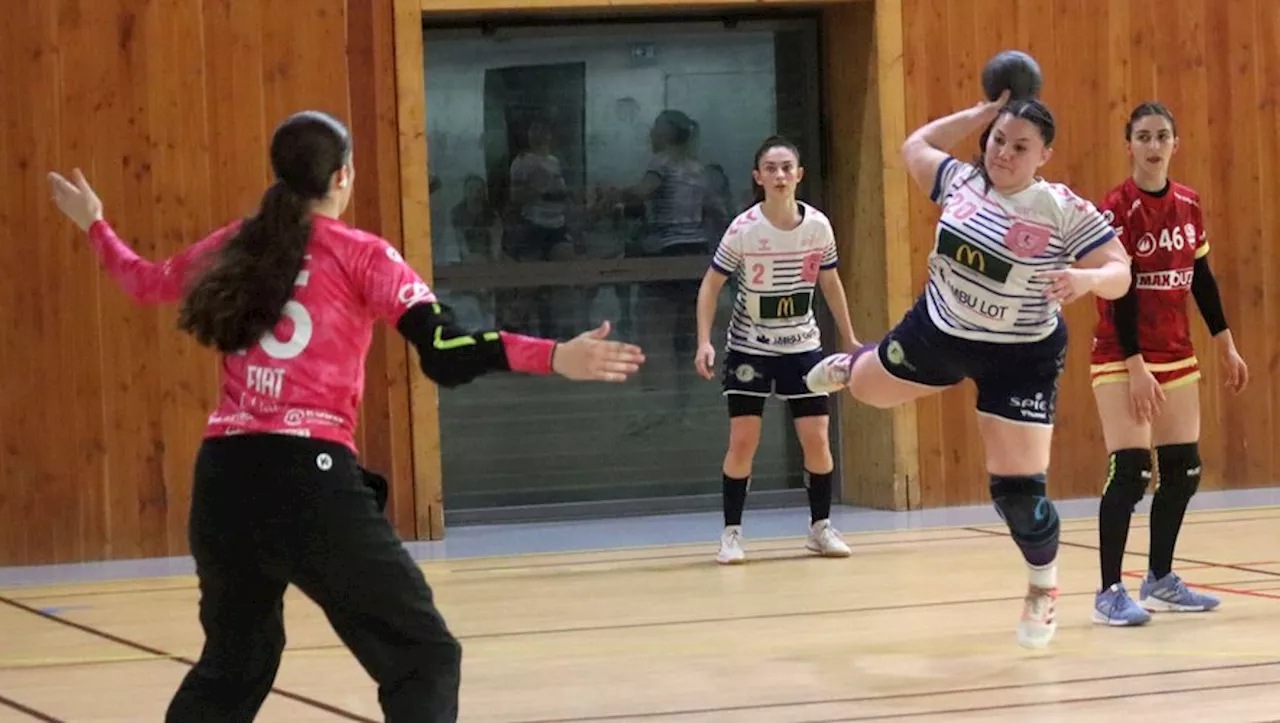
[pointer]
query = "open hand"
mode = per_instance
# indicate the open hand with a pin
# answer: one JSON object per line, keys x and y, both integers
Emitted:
{"x": 76, "y": 199}
{"x": 589, "y": 357}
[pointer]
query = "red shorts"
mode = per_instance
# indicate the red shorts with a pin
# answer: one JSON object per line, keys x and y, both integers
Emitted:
{"x": 1169, "y": 375}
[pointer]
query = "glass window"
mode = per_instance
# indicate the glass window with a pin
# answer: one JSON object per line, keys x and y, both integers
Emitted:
{"x": 587, "y": 172}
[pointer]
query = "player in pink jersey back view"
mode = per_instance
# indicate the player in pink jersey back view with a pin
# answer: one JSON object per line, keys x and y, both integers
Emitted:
{"x": 289, "y": 297}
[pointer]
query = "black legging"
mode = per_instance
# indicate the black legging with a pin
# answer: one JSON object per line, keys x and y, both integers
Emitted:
{"x": 270, "y": 510}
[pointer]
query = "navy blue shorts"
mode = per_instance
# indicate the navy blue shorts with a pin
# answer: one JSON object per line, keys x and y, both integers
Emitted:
{"x": 1017, "y": 382}
{"x": 750, "y": 379}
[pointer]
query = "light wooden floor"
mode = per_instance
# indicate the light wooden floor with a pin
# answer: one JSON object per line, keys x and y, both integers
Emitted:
{"x": 917, "y": 625}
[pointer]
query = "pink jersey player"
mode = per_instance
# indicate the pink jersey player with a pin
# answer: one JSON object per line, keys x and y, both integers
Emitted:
{"x": 289, "y": 297}
{"x": 306, "y": 377}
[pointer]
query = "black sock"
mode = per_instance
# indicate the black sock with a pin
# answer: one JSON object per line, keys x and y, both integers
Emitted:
{"x": 1129, "y": 473}
{"x": 734, "y": 492}
{"x": 1113, "y": 535}
{"x": 819, "y": 496}
{"x": 1179, "y": 479}
{"x": 1166, "y": 521}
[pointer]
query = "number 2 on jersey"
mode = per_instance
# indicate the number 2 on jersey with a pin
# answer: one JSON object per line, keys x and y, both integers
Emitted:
{"x": 757, "y": 273}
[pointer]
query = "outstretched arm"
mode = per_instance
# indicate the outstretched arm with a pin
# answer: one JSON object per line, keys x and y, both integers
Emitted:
{"x": 145, "y": 281}
{"x": 451, "y": 355}
{"x": 150, "y": 282}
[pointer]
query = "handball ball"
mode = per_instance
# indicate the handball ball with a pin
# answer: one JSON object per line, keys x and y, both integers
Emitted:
{"x": 1011, "y": 70}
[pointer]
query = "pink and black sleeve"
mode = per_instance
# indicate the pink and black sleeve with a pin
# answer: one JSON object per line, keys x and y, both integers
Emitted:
{"x": 449, "y": 354}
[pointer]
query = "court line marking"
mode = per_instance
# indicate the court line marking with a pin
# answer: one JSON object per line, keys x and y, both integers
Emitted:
{"x": 1194, "y": 517}
{"x": 11, "y": 703}
{"x": 1238, "y": 567}
{"x": 12, "y": 663}
{"x": 913, "y": 695}
{"x": 157, "y": 654}
{"x": 1051, "y": 703}
{"x": 33, "y": 592}
{"x": 162, "y": 655}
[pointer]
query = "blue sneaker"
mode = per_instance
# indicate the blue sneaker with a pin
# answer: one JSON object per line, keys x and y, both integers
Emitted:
{"x": 1113, "y": 606}
{"x": 1171, "y": 594}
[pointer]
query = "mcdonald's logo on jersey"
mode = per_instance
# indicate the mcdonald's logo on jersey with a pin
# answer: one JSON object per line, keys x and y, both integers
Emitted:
{"x": 785, "y": 306}
{"x": 972, "y": 256}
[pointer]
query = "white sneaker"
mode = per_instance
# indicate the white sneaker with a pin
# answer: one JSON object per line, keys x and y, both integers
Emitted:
{"x": 731, "y": 546}
{"x": 1039, "y": 617}
{"x": 831, "y": 374}
{"x": 824, "y": 540}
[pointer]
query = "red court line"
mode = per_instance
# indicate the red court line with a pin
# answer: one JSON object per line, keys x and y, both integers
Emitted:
{"x": 1237, "y": 591}
{"x": 1257, "y": 592}
{"x": 1213, "y": 565}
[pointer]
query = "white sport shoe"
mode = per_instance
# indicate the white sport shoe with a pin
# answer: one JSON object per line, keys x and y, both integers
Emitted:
{"x": 824, "y": 540}
{"x": 731, "y": 546}
{"x": 1039, "y": 617}
{"x": 831, "y": 374}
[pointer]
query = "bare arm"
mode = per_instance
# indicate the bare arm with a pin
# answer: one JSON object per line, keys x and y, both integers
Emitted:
{"x": 926, "y": 148}
{"x": 833, "y": 292}
{"x": 712, "y": 282}
{"x": 1107, "y": 270}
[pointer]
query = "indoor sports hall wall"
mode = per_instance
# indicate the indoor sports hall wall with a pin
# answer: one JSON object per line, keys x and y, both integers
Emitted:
{"x": 168, "y": 106}
{"x": 1215, "y": 63}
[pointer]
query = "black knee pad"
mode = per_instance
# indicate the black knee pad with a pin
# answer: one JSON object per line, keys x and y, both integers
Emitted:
{"x": 1032, "y": 519}
{"x": 1128, "y": 474}
{"x": 1179, "y": 470}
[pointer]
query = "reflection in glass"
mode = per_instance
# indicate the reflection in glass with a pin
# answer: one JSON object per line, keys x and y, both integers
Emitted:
{"x": 588, "y": 173}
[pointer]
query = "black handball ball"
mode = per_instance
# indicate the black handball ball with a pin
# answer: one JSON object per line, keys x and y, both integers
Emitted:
{"x": 1012, "y": 70}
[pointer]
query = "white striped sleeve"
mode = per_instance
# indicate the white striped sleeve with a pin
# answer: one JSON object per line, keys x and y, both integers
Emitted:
{"x": 830, "y": 259}
{"x": 729, "y": 254}
{"x": 949, "y": 170}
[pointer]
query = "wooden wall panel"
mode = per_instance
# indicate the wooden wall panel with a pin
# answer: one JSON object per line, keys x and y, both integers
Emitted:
{"x": 424, "y": 399}
{"x": 168, "y": 105}
{"x": 862, "y": 50}
{"x": 1216, "y": 65}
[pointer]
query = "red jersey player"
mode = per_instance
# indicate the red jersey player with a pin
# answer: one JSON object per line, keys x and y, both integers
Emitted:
{"x": 1145, "y": 371}
{"x": 290, "y": 297}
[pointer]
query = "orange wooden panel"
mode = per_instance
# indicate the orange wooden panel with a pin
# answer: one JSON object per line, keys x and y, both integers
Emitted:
{"x": 416, "y": 224}
{"x": 168, "y": 107}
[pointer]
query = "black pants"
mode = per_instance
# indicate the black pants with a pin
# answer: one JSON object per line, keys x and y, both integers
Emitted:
{"x": 269, "y": 510}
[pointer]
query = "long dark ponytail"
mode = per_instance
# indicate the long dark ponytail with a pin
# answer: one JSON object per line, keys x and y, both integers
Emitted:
{"x": 241, "y": 294}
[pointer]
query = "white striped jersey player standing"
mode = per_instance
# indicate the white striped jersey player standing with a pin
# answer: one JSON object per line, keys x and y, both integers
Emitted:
{"x": 777, "y": 251}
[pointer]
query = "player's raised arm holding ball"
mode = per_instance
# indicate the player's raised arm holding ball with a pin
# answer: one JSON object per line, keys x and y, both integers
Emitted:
{"x": 1009, "y": 250}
